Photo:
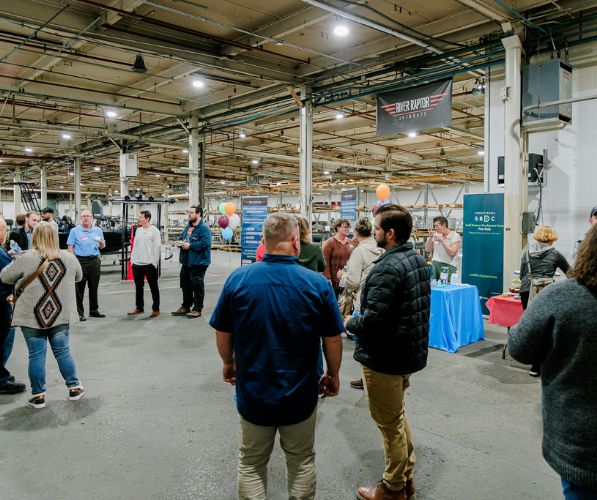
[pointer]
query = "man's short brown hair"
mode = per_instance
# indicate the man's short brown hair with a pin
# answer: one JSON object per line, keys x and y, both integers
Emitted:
{"x": 397, "y": 218}
{"x": 279, "y": 228}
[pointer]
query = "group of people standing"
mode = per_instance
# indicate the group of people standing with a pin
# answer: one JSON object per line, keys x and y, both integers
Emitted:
{"x": 42, "y": 287}
{"x": 273, "y": 317}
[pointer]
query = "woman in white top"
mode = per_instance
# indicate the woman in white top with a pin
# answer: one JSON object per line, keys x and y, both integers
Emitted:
{"x": 445, "y": 244}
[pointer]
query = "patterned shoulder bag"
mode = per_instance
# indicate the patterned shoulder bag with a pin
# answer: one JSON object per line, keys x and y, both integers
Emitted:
{"x": 19, "y": 291}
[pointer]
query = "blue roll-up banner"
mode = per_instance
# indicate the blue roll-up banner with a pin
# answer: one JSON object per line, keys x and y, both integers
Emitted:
{"x": 348, "y": 205}
{"x": 254, "y": 210}
{"x": 483, "y": 244}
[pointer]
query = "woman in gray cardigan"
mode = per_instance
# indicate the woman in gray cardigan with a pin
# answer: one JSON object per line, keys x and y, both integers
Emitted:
{"x": 559, "y": 330}
{"x": 45, "y": 308}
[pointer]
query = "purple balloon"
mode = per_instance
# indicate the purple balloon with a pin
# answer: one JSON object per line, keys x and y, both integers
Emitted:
{"x": 223, "y": 221}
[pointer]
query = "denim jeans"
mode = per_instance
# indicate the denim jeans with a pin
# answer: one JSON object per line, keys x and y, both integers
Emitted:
{"x": 7, "y": 338}
{"x": 574, "y": 492}
{"x": 37, "y": 344}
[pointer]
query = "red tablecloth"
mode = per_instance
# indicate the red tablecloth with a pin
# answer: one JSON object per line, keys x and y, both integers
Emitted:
{"x": 505, "y": 311}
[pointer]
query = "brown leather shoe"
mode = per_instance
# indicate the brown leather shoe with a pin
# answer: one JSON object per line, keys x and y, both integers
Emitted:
{"x": 154, "y": 314}
{"x": 134, "y": 312}
{"x": 181, "y": 311}
{"x": 357, "y": 384}
{"x": 380, "y": 492}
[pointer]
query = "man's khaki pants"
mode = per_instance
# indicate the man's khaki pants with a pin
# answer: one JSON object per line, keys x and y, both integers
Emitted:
{"x": 256, "y": 443}
{"x": 386, "y": 404}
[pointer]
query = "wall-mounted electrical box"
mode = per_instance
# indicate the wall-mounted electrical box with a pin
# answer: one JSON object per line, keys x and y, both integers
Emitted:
{"x": 536, "y": 174}
{"x": 129, "y": 165}
{"x": 546, "y": 82}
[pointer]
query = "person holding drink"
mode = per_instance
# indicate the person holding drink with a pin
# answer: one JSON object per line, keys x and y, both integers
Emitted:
{"x": 85, "y": 241}
{"x": 445, "y": 244}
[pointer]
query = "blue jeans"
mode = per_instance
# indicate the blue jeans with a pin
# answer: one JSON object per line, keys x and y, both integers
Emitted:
{"x": 7, "y": 338}
{"x": 574, "y": 492}
{"x": 37, "y": 345}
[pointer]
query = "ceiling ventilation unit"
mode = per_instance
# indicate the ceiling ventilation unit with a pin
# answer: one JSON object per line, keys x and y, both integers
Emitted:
{"x": 139, "y": 65}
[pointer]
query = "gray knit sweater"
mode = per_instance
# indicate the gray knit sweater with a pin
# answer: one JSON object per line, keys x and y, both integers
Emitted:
{"x": 559, "y": 329}
{"x": 50, "y": 299}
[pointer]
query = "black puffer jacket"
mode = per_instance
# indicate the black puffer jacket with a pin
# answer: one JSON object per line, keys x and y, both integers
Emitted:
{"x": 393, "y": 329}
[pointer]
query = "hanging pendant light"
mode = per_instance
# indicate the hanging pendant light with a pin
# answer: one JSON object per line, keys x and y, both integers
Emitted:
{"x": 139, "y": 65}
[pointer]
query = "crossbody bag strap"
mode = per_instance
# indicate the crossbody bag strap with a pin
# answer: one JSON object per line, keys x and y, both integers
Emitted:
{"x": 529, "y": 265}
{"x": 32, "y": 278}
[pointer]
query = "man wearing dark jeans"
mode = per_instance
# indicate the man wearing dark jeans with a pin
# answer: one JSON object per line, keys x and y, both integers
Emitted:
{"x": 145, "y": 260}
{"x": 85, "y": 241}
{"x": 195, "y": 257}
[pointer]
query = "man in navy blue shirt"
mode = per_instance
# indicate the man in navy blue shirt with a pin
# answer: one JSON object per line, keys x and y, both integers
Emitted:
{"x": 269, "y": 321}
{"x": 195, "y": 257}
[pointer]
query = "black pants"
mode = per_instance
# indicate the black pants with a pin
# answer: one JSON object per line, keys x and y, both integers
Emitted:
{"x": 151, "y": 273}
{"x": 193, "y": 288}
{"x": 5, "y": 319}
{"x": 91, "y": 275}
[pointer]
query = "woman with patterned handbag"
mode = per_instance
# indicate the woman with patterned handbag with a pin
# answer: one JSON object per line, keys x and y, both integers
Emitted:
{"x": 44, "y": 280}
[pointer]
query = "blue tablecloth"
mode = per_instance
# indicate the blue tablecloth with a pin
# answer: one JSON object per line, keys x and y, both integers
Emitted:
{"x": 456, "y": 318}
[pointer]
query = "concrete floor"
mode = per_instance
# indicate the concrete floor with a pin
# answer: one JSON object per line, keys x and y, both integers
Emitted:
{"x": 157, "y": 422}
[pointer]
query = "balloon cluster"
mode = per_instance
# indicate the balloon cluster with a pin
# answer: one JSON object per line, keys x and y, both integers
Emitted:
{"x": 383, "y": 193}
{"x": 228, "y": 220}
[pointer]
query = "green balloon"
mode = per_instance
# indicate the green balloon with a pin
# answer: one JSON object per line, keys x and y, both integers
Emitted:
{"x": 222, "y": 208}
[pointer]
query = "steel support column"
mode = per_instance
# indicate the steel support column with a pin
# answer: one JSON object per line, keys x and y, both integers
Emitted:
{"x": 306, "y": 147}
{"x": 17, "y": 192}
{"x": 43, "y": 186}
{"x": 194, "y": 161}
{"x": 515, "y": 174}
{"x": 77, "y": 181}
{"x": 202, "y": 153}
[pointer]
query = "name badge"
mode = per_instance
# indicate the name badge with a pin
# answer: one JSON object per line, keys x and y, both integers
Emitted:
{"x": 83, "y": 238}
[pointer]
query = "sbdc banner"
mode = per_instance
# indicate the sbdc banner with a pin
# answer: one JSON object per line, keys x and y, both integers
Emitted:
{"x": 416, "y": 108}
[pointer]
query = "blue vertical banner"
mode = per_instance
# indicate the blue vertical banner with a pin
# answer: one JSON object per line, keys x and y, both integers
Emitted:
{"x": 483, "y": 244}
{"x": 348, "y": 205}
{"x": 254, "y": 211}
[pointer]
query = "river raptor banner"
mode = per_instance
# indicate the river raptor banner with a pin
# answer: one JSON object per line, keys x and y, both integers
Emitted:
{"x": 415, "y": 108}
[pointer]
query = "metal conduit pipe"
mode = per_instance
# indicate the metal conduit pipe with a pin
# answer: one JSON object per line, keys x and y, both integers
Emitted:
{"x": 526, "y": 110}
{"x": 164, "y": 24}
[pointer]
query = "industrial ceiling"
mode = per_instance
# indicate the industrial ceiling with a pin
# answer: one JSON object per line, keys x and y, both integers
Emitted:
{"x": 87, "y": 78}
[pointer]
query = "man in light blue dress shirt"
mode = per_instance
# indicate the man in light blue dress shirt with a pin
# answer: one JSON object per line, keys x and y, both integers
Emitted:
{"x": 86, "y": 241}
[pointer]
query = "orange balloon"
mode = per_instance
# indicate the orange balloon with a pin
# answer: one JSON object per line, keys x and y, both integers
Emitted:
{"x": 383, "y": 192}
{"x": 230, "y": 208}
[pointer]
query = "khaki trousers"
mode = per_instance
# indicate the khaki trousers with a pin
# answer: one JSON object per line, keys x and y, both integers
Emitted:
{"x": 256, "y": 443}
{"x": 386, "y": 404}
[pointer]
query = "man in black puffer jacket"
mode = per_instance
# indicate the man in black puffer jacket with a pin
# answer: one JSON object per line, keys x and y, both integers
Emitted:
{"x": 392, "y": 336}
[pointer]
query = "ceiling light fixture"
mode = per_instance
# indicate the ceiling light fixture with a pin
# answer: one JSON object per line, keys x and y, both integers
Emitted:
{"x": 27, "y": 149}
{"x": 339, "y": 116}
{"x": 157, "y": 175}
{"x": 111, "y": 114}
{"x": 412, "y": 134}
{"x": 66, "y": 136}
{"x": 481, "y": 153}
{"x": 116, "y": 191}
{"x": 326, "y": 172}
{"x": 222, "y": 182}
{"x": 139, "y": 65}
{"x": 198, "y": 84}
{"x": 242, "y": 135}
{"x": 96, "y": 168}
{"x": 341, "y": 30}
{"x": 71, "y": 173}
{"x": 255, "y": 162}
{"x": 185, "y": 151}
{"x": 61, "y": 187}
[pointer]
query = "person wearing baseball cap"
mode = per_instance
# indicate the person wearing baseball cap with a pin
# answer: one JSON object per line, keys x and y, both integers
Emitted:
{"x": 593, "y": 216}
{"x": 47, "y": 215}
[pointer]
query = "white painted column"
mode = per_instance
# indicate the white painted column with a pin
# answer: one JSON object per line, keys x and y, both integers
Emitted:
{"x": 515, "y": 174}
{"x": 77, "y": 181}
{"x": 17, "y": 192}
{"x": 194, "y": 161}
{"x": 306, "y": 151}
{"x": 166, "y": 217}
{"x": 44, "y": 186}
{"x": 110, "y": 202}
